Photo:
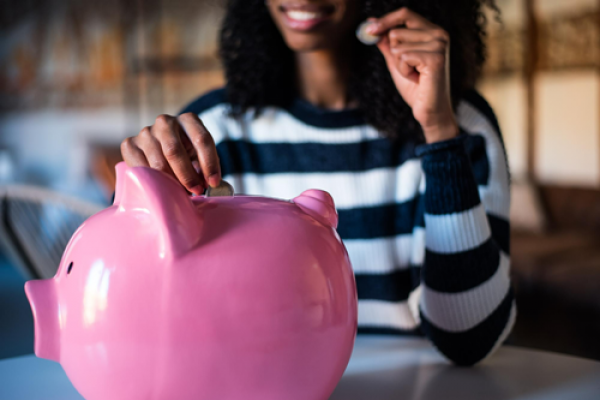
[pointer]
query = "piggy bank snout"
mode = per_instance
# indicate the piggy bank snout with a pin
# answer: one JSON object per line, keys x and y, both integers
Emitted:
{"x": 44, "y": 306}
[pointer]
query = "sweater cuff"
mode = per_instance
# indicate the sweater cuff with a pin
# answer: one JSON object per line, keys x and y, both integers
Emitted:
{"x": 428, "y": 148}
{"x": 450, "y": 183}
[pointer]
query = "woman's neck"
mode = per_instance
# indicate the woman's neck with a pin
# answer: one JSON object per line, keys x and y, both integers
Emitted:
{"x": 322, "y": 79}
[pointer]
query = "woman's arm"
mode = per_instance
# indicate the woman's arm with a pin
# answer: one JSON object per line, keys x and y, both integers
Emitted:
{"x": 465, "y": 298}
{"x": 466, "y": 301}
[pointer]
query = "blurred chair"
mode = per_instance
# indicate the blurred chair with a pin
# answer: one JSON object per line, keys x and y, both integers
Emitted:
{"x": 555, "y": 266}
{"x": 36, "y": 225}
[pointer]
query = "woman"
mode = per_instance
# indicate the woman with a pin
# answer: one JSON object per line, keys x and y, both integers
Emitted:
{"x": 411, "y": 154}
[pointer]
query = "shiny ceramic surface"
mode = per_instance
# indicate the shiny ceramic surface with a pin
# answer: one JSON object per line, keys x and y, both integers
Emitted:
{"x": 166, "y": 296}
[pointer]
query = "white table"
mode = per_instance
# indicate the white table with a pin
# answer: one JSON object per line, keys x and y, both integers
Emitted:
{"x": 384, "y": 368}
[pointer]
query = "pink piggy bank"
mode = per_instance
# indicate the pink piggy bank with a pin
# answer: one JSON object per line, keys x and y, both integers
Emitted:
{"x": 165, "y": 296}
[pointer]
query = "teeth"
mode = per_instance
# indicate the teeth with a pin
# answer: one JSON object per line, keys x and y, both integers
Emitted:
{"x": 303, "y": 15}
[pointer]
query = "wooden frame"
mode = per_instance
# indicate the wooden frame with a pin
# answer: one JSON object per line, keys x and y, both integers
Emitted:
{"x": 531, "y": 58}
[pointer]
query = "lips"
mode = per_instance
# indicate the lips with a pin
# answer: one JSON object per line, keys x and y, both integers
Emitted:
{"x": 305, "y": 17}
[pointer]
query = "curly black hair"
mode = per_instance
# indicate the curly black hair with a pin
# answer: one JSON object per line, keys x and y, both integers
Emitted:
{"x": 259, "y": 67}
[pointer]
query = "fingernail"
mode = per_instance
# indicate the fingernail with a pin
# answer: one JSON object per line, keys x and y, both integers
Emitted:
{"x": 196, "y": 166}
{"x": 214, "y": 180}
{"x": 197, "y": 190}
{"x": 372, "y": 28}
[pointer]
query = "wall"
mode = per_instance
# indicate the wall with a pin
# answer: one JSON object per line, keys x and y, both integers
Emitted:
{"x": 75, "y": 74}
{"x": 507, "y": 96}
{"x": 568, "y": 103}
{"x": 565, "y": 90}
{"x": 503, "y": 84}
{"x": 568, "y": 129}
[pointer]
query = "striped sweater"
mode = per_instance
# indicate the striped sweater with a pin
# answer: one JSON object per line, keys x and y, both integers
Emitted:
{"x": 426, "y": 226}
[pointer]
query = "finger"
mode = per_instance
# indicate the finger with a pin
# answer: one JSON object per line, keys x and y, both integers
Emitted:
{"x": 408, "y": 71}
{"x": 166, "y": 130}
{"x": 404, "y": 35}
{"x": 424, "y": 58}
{"x": 132, "y": 155}
{"x": 425, "y": 62}
{"x": 205, "y": 147}
{"x": 191, "y": 152}
{"x": 153, "y": 153}
{"x": 384, "y": 47}
{"x": 187, "y": 144}
{"x": 403, "y": 16}
{"x": 196, "y": 165}
{"x": 392, "y": 61}
{"x": 434, "y": 46}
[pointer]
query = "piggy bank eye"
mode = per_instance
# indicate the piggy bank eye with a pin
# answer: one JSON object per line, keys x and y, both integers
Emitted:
{"x": 69, "y": 268}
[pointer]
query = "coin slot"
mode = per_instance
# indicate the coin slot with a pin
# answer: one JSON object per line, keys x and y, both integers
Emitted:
{"x": 69, "y": 268}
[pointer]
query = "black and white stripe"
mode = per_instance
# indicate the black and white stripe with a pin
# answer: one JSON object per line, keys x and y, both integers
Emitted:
{"x": 426, "y": 227}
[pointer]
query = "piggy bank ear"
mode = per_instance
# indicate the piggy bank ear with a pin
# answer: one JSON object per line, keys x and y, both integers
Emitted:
{"x": 319, "y": 205}
{"x": 165, "y": 200}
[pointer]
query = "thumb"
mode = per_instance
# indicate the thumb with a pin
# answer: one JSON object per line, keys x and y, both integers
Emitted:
{"x": 384, "y": 46}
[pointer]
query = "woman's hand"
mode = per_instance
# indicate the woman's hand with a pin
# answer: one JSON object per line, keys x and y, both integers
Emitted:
{"x": 180, "y": 146}
{"x": 417, "y": 54}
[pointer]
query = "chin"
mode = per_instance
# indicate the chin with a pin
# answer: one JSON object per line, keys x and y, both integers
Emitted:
{"x": 306, "y": 44}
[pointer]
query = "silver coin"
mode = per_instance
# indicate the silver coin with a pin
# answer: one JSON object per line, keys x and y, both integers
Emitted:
{"x": 224, "y": 189}
{"x": 364, "y": 36}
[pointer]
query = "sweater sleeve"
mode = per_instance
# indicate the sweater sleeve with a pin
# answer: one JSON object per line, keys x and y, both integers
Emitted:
{"x": 466, "y": 303}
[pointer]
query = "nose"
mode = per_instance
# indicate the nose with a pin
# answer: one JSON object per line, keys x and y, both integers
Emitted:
{"x": 44, "y": 306}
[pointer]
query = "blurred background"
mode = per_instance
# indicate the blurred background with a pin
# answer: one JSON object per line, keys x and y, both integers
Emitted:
{"x": 77, "y": 77}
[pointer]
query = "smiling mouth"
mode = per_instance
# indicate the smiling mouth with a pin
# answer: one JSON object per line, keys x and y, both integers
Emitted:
{"x": 306, "y": 17}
